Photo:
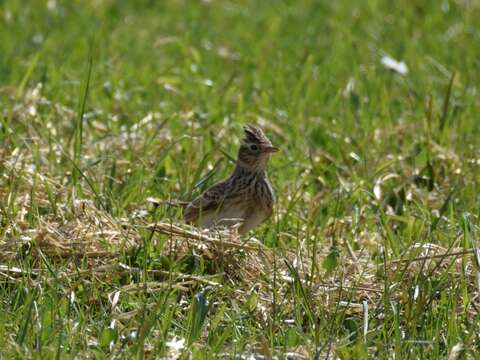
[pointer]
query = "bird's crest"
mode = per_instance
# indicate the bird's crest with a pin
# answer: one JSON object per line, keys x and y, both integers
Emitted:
{"x": 253, "y": 134}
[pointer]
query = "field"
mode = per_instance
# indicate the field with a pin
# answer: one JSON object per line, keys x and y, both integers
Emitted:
{"x": 372, "y": 251}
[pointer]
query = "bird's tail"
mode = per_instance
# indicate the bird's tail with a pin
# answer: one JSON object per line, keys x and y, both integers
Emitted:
{"x": 170, "y": 202}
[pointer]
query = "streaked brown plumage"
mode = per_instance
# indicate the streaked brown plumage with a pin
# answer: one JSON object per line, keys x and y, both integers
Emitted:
{"x": 246, "y": 197}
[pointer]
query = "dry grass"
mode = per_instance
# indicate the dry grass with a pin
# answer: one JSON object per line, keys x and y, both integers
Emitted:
{"x": 80, "y": 230}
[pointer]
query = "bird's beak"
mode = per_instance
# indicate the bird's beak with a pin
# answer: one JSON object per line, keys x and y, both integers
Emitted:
{"x": 270, "y": 149}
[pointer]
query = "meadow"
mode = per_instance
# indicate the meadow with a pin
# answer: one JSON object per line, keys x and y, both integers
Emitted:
{"x": 112, "y": 110}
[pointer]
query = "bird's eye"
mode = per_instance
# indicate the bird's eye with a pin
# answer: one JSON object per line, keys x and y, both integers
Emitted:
{"x": 253, "y": 147}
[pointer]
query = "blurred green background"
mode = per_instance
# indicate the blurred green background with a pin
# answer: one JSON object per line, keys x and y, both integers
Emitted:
{"x": 392, "y": 153}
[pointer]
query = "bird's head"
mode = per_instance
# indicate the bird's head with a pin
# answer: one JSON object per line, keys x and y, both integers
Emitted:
{"x": 255, "y": 149}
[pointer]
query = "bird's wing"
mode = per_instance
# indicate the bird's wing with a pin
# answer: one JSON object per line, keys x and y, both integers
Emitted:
{"x": 210, "y": 200}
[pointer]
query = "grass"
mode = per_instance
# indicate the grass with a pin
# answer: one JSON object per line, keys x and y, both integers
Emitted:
{"x": 372, "y": 251}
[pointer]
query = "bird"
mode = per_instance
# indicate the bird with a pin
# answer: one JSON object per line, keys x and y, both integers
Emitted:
{"x": 246, "y": 198}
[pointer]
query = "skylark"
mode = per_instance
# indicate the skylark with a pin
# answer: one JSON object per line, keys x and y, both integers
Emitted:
{"x": 246, "y": 197}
